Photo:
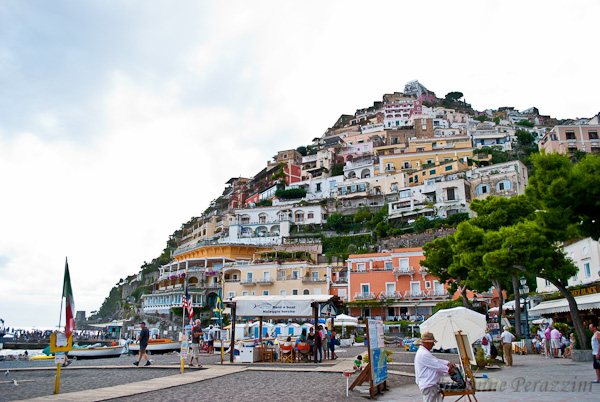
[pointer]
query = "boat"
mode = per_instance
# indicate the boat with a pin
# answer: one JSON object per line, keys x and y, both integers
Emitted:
{"x": 97, "y": 351}
{"x": 156, "y": 346}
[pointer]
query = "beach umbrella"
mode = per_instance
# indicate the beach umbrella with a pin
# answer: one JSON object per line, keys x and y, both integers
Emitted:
{"x": 446, "y": 322}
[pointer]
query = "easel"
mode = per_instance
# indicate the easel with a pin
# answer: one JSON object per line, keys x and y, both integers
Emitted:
{"x": 365, "y": 375}
{"x": 462, "y": 340}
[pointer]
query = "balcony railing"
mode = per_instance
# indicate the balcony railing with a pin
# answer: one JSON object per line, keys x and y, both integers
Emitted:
{"x": 313, "y": 280}
{"x": 213, "y": 285}
{"x": 364, "y": 296}
{"x": 390, "y": 295}
{"x": 247, "y": 282}
{"x": 288, "y": 278}
{"x": 411, "y": 295}
{"x": 403, "y": 271}
{"x": 341, "y": 280}
{"x": 231, "y": 280}
{"x": 264, "y": 282}
{"x": 437, "y": 294}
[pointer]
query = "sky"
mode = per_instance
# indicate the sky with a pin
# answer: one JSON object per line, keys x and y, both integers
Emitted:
{"x": 121, "y": 120}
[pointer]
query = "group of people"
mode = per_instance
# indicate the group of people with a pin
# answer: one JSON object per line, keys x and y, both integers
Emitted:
{"x": 553, "y": 343}
{"x": 323, "y": 340}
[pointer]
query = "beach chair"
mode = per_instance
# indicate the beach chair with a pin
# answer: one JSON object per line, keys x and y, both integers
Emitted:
{"x": 304, "y": 352}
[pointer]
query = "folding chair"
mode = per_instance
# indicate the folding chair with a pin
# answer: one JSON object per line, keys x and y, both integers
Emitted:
{"x": 287, "y": 354}
{"x": 304, "y": 351}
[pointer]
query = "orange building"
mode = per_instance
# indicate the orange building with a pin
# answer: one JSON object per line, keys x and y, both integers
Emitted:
{"x": 392, "y": 285}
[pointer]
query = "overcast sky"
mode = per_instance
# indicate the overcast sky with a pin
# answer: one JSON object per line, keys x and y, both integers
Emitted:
{"x": 120, "y": 120}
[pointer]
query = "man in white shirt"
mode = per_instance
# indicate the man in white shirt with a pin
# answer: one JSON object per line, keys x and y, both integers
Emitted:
{"x": 506, "y": 339}
{"x": 429, "y": 369}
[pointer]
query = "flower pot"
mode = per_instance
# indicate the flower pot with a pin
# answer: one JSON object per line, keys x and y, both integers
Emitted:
{"x": 582, "y": 355}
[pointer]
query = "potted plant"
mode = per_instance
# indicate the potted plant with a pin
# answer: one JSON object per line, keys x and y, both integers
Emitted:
{"x": 582, "y": 352}
{"x": 481, "y": 359}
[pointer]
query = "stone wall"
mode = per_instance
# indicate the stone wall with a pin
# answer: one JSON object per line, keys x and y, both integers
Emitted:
{"x": 414, "y": 240}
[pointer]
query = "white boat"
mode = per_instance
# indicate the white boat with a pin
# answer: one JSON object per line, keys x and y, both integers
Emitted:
{"x": 157, "y": 346}
{"x": 97, "y": 352}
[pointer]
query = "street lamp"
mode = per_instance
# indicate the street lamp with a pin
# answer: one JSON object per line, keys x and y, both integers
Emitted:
{"x": 475, "y": 301}
{"x": 525, "y": 292}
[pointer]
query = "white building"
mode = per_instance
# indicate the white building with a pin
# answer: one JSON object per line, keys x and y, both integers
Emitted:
{"x": 501, "y": 180}
{"x": 585, "y": 254}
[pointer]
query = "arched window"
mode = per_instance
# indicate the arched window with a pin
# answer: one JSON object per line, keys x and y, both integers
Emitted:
{"x": 299, "y": 216}
{"x": 365, "y": 173}
{"x": 351, "y": 175}
{"x": 503, "y": 185}
{"x": 262, "y": 218}
{"x": 306, "y": 292}
{"x": 482, "y": 189}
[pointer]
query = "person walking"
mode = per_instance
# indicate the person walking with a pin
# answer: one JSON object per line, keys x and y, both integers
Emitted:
{"x": 429, "y": 369}
{"x": 211, "y": 340}
{"x": 319, "y": 345}
{"x": 548, "y": 342}
{"x": 486, "y": 343}
{"x": 506, "y": 339}
{"x": 196, "y": 335}
{"x": 143, "y": 338}
{"x": 596, "y": 351}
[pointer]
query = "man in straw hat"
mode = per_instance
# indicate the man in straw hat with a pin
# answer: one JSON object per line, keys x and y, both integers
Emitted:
{"x": 429, "y": 369}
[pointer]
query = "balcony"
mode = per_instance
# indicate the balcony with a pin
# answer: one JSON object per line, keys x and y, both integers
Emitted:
{"x": 403, "y": 271}
{"x": 213, "y": 286}
{"x": 264, "y": 281}
{"x": 341, "y": 280}
{"x": 288, "y": 278}
{"x": 437, "y": 294}
{"x": 364, "y": 296}
{"x": 247, "y": 282}
{"x": 232, "y": 280}
{"x": 414, "y": 295}
{"x": 395, "y": 295}
{"x": 313, "y": 280}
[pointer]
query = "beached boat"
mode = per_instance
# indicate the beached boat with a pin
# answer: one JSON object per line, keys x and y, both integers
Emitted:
{"x": 157, "y": 346}
{"x": 97, "y": 352}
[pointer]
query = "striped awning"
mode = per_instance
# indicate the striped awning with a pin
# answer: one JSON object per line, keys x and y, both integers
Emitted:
{"x": 562, "y": 306}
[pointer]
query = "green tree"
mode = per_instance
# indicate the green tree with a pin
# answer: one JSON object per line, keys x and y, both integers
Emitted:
{"x": 481, "y": 118}
{"x": 280, "y": 176}
{"x": 302, "y": 149}
{"x": 335, "y": 221}
{"x": 566, "y": 195}
{"x": 525, "y": 138}
{"x": 337, "y": 169}
{"x": 362, "y": 215}
{"x": 525, "y": 123}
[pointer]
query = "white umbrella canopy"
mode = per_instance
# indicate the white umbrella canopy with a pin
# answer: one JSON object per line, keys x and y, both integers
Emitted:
{"x": 445, "y": 323}
{"x": 345, "y": 318}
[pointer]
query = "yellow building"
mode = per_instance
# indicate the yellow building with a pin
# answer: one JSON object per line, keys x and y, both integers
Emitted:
{"x": 272, "y": 278}
{"x": 412, "y": 161}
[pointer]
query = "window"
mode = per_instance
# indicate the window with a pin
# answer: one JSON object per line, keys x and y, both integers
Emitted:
{"x": 482, "y": 189}
{"x": 317, "y": 291}
{"x": 364, "y": 287}
{"x": 570, "y": 135}
{"x": 294, "y": 292}
{"x": 389, "y": 265}
{"x": 299, "y": 216}
{"x": 428, "y": 161}
{"x": 586, "y": 269}
{"x": 449, "y": 167}
{"x": 318, "y": 187}
{"x": 432, "y": 172}
{"x": 503, "y": 185}
{"x": 361, "y": 267}
{"x": 245, "y": 293}
{"x": 390, "y": 287}
{"x": 552, "y": 137}
{"x": 427, "y": 285}
{"x": 294, "y": 274}
{"x": 342, "y": 293}
{"x": 311, "y": 215}
{"x": 230, "y": 295}
{"x": 248, "y": 276}
{"x": 306, "y": 292}
{"x": 266, "y": 276}
{"x": 315, "y": 275}
{"x": 265, "y": 292}
{"x": 282, "y": 292}
{"x": 450, "y": 194}
{"x": 245, "y": 219}
{"x": 262, "y": 218}
{"x": 593, "y": 135}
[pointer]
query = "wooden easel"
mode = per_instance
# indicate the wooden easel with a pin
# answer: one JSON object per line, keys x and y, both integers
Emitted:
{"x": 365, "y": 375}
{"x": 466, "y": 366}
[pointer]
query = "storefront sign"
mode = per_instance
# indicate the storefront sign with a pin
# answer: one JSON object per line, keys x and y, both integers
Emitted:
{"x": 286, "y": 308}
{"x": 588, "y": 290}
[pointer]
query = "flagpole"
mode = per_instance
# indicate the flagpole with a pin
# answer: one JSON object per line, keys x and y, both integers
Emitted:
{"x": 221, "y": 314}
{"x": 183, "y": 334}
{"x": 61, "y": 298}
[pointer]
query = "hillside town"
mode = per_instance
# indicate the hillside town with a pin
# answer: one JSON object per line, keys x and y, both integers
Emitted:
{"x": 413, "y": 158}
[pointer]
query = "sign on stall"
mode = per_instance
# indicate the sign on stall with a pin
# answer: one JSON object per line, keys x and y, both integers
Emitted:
{"x": 377, "y": 351}
{"x": 328, "y": 310}
{"x": 59, "y": 358}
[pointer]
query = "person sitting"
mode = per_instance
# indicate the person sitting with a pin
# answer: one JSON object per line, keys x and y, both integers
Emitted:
{"x": 568, "y": 352}
{"x": 536, "y": 342}
{"x": 358, "y": 363}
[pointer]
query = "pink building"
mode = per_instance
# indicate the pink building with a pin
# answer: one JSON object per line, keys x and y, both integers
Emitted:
{"x": 568, "y": 139}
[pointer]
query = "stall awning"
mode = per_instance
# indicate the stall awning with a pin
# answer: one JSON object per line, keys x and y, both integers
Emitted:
{"x": 278, "y": 306}
{"x": 561, "y": 306}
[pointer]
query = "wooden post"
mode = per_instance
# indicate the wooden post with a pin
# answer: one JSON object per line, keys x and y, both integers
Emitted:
{"x": 260, "y": 330}
{"x": 232, "y": 340}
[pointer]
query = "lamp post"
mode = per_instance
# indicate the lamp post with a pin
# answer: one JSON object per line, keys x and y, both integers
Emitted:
{"x": 525, "y": 292}
{"x": 475, "y": 301}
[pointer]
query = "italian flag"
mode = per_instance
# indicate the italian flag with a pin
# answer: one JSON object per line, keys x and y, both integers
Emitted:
{"x": 70, "y": 307}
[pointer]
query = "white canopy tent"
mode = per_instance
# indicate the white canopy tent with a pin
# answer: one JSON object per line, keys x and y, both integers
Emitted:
{"x": 562, "y": 306}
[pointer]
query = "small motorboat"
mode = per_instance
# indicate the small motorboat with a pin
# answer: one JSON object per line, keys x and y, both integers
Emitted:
{"x": 157, "y": 346}
{"x": 97, "y": 351}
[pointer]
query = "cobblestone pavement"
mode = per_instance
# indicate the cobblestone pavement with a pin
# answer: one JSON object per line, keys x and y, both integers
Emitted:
{"x": 249, "y": 385}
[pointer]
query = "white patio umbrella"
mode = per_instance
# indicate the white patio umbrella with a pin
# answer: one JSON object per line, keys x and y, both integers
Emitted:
{"x": 445, "y": 323}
